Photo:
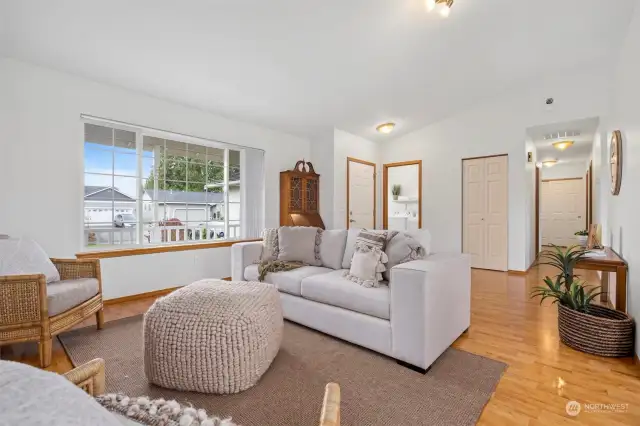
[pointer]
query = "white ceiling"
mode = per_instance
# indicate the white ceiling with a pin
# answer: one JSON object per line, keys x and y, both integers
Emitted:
{"x": 580, "y": 151}
{"x": 298, "y": 65}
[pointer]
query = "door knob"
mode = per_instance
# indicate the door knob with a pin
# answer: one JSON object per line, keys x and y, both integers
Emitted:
{"x": 351, "y": 220}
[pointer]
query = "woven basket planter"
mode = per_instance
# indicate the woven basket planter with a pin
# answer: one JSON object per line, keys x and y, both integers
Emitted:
{"x": 602, "y": 331}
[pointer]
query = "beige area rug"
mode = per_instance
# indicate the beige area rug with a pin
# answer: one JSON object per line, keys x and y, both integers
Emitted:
{"x": 375, "y": 390}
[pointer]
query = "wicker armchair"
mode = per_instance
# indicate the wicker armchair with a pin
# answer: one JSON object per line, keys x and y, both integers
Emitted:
{"x": 24, "y": 311}
{"x": 89, "y": 377}
{"x": 330, "y": 415}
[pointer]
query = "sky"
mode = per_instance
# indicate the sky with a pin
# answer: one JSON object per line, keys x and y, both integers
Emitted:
{"x": 101, "y": 161}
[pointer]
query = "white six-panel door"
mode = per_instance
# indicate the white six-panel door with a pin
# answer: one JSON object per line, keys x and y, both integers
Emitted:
{"x": 562, "y": 209}
{"x": 361, "y": 194}
{"x": 484, "y": 212}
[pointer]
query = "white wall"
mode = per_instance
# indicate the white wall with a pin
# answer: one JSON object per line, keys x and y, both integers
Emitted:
{"x": 349, "y": 145}
{"x": 496, "y": 126}
{"x": 623, "y": 228}
{"x": 565, "y": 170}
{"x": 41, "y": 153}
{"x": 43, "y": 137}
{"x": 322, "y": 158}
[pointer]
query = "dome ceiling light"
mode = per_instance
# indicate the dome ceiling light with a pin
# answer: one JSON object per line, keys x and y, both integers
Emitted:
{"x": 564, "y": 141}
{"x": 386, "y": 128}
{"x": 443, "y": 7}
{"x": 562, "y": 145}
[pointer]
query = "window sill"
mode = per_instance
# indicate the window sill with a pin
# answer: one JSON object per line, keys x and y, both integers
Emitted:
{"x": 137, "y": 251}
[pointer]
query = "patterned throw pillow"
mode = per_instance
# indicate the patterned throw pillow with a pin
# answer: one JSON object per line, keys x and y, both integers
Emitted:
{"x": 269, "y": 244}
{"x": 366, "y": 267}
{"x": 367, "y": 264}
{"x": 372, "y": 238}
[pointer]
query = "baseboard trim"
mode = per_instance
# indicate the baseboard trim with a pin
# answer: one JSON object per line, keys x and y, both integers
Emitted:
{"x": 155, "y": 293}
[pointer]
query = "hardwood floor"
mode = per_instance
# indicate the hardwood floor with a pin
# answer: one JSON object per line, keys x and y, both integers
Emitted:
{"x": 542, "y": 374}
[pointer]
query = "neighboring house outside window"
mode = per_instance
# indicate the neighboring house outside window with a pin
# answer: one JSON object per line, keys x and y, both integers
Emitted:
{"x": 145, "y": 190}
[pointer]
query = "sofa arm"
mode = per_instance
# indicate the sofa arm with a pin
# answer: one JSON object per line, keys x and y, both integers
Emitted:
{"x": 430, "y": 306}
{"x": 243, "y": 255}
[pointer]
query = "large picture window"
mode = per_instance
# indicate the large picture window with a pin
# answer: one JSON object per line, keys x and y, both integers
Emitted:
{"x": 142, "y": 189}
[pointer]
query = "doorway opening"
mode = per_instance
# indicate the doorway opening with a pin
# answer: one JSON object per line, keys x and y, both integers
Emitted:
{"x": 563, "y": 179}
{"x": 402, "y": 195}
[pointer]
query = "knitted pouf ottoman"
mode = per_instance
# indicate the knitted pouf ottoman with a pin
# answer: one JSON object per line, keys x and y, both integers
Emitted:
{"x": 212, "y": 336}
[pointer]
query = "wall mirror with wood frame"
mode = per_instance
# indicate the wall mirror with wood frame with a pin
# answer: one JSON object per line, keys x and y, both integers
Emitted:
{"x": 402, "y": 196}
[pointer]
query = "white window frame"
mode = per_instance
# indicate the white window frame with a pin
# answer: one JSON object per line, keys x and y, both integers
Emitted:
{"x": 140, "y": 133}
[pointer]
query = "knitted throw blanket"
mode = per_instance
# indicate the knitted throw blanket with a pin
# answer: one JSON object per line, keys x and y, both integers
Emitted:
{"x": 276, "y": 266}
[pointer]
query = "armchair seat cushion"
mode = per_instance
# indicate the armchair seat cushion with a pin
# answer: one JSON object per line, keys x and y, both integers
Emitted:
{"x": 334, "y": 289}
{"x": 64, "y": 295}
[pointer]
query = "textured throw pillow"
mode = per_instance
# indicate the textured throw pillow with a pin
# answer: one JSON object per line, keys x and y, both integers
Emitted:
{"x": 20, "y": 256}
{"x": 332, "y": 247}
{"x": 300, "y": 244}
{"x": 402, "y": 248}
{"x": 269, "y": 244}
{"x": 366, "y": 267}
{"x": 356, "y": 237}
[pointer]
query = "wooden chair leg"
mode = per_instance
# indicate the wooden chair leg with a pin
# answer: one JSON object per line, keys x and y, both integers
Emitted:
{"x": 100, "y": 318}
{"x": 45, "y": 347}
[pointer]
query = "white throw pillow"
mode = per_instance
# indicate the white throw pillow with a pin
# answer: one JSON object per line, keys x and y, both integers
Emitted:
{"x": 332, "y": 247}
{"x": 402, "y": 248}
{"x": 22, "y": 256}
{"x": 300, "y": 244}
{"x": 367, "y": 267}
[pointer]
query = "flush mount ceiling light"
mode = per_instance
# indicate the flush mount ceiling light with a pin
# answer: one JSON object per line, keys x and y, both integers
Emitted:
{"x": 442, "y": 6}
{"x": 562, "y": 145}
{"x": 386, "y": 128}
{"x": 549, "y": 163}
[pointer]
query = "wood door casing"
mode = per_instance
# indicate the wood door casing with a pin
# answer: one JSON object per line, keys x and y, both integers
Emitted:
{"x": 485, "y": 211}
{"x": 361, "y": 201}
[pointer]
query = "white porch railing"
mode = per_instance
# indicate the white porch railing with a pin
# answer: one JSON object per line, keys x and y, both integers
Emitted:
{"x": 160, "y": 234}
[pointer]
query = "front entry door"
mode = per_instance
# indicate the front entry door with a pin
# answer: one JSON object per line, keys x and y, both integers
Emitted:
{"x": 562, "y": 210}
{"x": 361, "y": 194}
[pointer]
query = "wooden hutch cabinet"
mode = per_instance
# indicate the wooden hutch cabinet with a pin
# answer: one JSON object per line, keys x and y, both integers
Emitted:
{"x": 300, "y": 196}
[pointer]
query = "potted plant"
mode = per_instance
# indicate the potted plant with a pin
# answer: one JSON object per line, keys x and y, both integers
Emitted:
{"x": 395, "y": 191}
{"x": 582, "y": 237}
{"x": 582, "y": 325}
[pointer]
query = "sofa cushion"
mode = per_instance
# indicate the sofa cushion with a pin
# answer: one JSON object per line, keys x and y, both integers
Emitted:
{"x": 22, "y": 256}
{"x": 334, "y": 289}
{"x": 64, "y": 295}
{"x": 286, "y": 281}
{"x": 350, "y": 247}
{"x": 332, "y": 247}
{"x": 300, "y": 244}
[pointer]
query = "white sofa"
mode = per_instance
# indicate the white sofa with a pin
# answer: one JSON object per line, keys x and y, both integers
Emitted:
{"x": 424, "y": 308}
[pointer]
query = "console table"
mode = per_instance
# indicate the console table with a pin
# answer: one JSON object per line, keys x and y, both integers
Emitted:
{"x": 612, "y": 262}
